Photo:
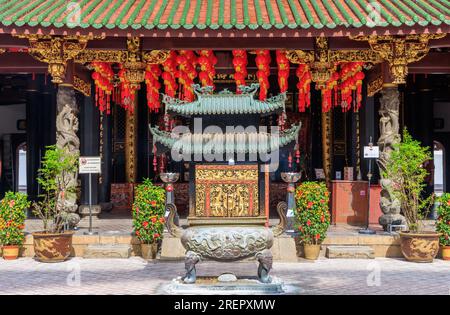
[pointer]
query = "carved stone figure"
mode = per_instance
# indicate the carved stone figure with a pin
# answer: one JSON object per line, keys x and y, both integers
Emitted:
{"x": 190, "y": 261}
{"x": 389, "y": 136}
{"x": 66, "y": 137}
{"x": 265, "y": 260}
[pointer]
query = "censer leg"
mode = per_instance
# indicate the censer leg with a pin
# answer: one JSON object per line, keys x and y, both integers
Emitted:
{"x": 190, "y": 260}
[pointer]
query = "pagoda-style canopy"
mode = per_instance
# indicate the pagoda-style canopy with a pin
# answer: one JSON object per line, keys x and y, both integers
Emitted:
{"x": 239, "y": 140}
{"x": 225, "y": 103}
{"x": 212, "y": 14}
{"x": 226, "y": 143}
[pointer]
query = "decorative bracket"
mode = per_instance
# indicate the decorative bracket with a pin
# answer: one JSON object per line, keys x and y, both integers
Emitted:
{"x": 56, "y": 51}
{"x": 399, "y": 51}
{"x": 322, "y": 61}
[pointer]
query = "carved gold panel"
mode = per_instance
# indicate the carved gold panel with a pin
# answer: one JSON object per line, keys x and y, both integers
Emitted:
{"x": 226, "y": 191}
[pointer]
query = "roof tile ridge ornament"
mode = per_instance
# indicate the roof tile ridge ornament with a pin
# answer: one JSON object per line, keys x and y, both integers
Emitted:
{"x": 169, "y": 100}
{"x": 249, "y": 89}
{"x": 205, "y": 90}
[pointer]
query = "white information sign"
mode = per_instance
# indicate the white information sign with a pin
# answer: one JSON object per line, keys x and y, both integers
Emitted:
{"x": 371, "y": 152}
{"x": 90, "y": 165}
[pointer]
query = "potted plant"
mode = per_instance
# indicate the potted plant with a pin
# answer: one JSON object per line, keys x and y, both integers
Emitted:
{"x": 54, "y": 242}
{"x": 12, "y": 223}
{"x": 406, "y": 170}
{"x": 312, "y": 216}
{"x": 443, "y": 225}
{"x": 148, "y": 217}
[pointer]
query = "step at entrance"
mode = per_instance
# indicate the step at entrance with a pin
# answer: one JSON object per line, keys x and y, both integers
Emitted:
{"x": 350, "y": 252}
{"x": 107, "y": 251}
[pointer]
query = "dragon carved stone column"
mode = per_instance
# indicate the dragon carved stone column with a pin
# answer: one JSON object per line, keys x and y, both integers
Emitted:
{"x": 389, "y": 136}
{"x": 66, "y": 137}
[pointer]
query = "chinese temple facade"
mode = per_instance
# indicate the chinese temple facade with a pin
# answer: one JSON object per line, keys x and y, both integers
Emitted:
{"x": 115, "y": 78}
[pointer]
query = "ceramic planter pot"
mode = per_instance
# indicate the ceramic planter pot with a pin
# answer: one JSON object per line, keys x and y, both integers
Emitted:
{"x": 149, "y": 251}
{"x": 312, "y": 252}
{"x": 446, "y": 252}
{"x": 419, "y": 247}
{"x": 10, "y": 252}
{"x": 52, "y": 247}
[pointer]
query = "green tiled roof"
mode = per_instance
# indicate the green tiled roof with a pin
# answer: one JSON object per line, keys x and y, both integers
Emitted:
{"x": 225, "y": 14}
{"x": 217, "y": 143}
{"x": 225, "y": 103}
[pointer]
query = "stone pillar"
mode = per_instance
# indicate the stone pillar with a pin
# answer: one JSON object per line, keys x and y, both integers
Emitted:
{"x": 89, "y": 146}
{"x": 389, "y": 136}
{"x": 66, "y": 137}
{"x": 131, "y": 142}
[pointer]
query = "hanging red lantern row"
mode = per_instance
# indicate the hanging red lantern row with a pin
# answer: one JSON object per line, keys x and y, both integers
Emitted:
{"x": 186, "y": 61}
{"x": 207, "y": 61}
{"x": 328, "y": 91}
{"x": 152, "y": 73}
{"x": 240, "y": 62}
{"x": 103, "y": 76}
{"x": 169, "y": 74}
{"x": 303, "y": 86}
{"x": 263, "y": 72}
{"x": 283, "y": 70}
{"x": 351, "y": 77}
{"x": 127, "y": 90}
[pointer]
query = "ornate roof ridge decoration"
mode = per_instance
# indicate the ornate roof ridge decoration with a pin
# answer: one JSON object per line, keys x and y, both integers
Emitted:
{"x": 399, "y": 51}
{"x": 235, "y": 142}
{"x": 242, "y": 15}
{"x": 224, "y": 102}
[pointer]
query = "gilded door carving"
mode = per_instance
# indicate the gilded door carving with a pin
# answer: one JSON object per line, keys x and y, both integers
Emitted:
{"x": 226, "y": 191}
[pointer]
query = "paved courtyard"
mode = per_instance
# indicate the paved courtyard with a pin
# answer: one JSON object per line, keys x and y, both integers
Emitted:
{"x": 137, "y": 276}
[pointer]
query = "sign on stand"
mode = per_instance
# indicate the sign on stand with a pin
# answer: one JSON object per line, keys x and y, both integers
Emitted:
{"x": 371, "y": 152}
{"x": 90, "y": 165}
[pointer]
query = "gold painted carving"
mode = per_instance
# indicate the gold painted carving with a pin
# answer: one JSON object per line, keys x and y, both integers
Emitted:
{"x": 56, "y": 51}
{"x": 322, "y": 61}
{"x": 327, "y": 135}
{"x": 131, "y": 143}
{"x": 375, "y": 86}
{"x": 81, "y": 86}
{"x": 400, "y": 51}
{"x": 232, "y": 191}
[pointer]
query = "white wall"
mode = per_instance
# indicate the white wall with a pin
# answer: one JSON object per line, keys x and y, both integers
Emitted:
{"x": 9, "y": 115}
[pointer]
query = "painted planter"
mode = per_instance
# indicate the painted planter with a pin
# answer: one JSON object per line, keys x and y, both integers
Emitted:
{"x": 419, "y": 247}
{"x": 312, "y": 252}
{"x": 446, "y": 252}
{"x": 149, "y": 251}
{"x": 10, "y": 252}
{"x": 52, "y": 247}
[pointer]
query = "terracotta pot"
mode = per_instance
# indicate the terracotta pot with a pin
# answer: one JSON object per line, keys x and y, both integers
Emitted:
{"x": 149, "y": 251}
{"x": 312, "y": 252}
{"x": 52, "y": 247}
{"x": 446, "y": 252}
{"x": 10, "y": 252}
{"x": 419, "y": 247}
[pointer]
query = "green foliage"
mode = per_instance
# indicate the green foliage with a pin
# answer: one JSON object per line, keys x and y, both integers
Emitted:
{"x": 312, "y": 212}
{"x": 12, "y": 218}
{"x": 406, "y": 170}
{"x": 54, "y": 179}
{"x": 443, "y": 221}
{"x": 148, "y": 212}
